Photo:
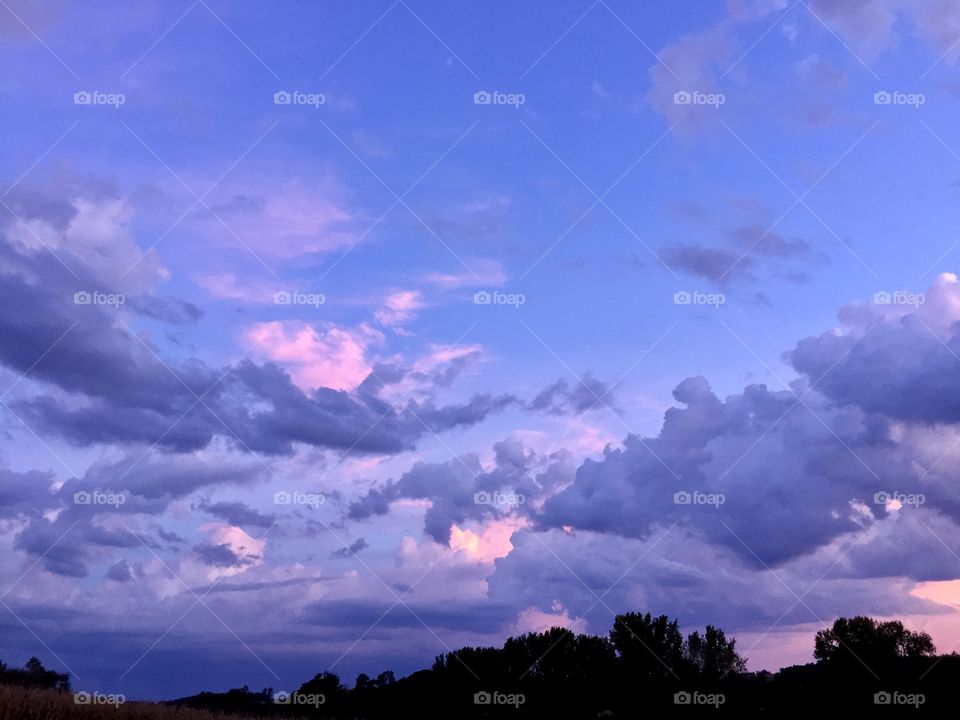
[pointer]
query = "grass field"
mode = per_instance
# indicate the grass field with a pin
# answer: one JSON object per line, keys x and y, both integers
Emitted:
{"x": 23, "y": 704}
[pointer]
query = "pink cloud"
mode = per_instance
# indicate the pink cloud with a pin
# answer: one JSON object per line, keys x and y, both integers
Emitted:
{"x": 335, "y": 357}
{"x": 400, "y": 307}
{"x": 535, "y": 620}
{"x": 488, "y": 542}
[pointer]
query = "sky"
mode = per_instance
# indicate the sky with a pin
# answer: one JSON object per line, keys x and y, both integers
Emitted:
{"x": 336, "y": 336}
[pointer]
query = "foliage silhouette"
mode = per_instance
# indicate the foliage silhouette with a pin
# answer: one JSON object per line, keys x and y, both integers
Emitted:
{"x": 643, "y": 666}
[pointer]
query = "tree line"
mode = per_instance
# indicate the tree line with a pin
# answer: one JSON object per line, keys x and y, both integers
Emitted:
{"x": 644, "y": 663}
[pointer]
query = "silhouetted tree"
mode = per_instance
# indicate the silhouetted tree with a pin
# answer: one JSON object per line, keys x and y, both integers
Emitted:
{"x": 34, "y": 675}
{"x": 385, "y": 678}
{"x": 649, "y": 647}
{"x": 712, "y": 655}
{"x": 864, "y": 640}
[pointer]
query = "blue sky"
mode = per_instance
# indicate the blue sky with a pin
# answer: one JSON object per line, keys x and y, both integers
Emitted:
{"x": 589, "y": 192}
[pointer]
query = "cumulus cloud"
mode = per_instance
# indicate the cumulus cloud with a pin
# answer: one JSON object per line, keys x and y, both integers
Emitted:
{"x": 811, "y": 458}
{"x": 121, "y": 391}
{"x": 898, "y": 358}
{"x": 325, "y": 356}
{"x": 462, "y": 489}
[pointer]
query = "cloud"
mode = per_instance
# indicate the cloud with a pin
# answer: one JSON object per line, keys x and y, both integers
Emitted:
{"x": 350, "y": 550}
{"x": 399, "y": 308}
{"x": 747, "y": 248}
{"x": 238, "y": 513}
{"x": 318, "y": 355}
{"x": 230, "y": 286}
{"x": 483, "y": 272}
{"x": 710, "y": 263}
{"x": 462, "y": 489}
{"x": 218, "y": 555}
{"x": 281, "y": 221}
{"x": 898, "y": 359}
{"x": 122, "y": 392}
{"x": 560, "y": 399}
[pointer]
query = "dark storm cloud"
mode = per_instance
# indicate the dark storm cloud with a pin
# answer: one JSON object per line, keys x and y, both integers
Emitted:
{"x": 28, "y": 493}
{"x": 238, "y": 513}
{"x": 562, "y": 399}
{"x": 116, "y": 490}
{"x": 220, "y": 555}
{"x": 130, "y": 395}
{"x": 900, "y": 360}
{"x": 461, "y": 489}
{"x": 788, "y": 474}
{"x": 123, "y": 571}
{"x": 676, "y": 572}
{"x": 352, "y": 549}
{"x": 361, "y": 613}
{"x": 710, "y": 263}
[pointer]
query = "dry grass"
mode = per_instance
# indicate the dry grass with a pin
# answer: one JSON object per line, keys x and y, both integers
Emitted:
{"x": 22, "y": 704}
